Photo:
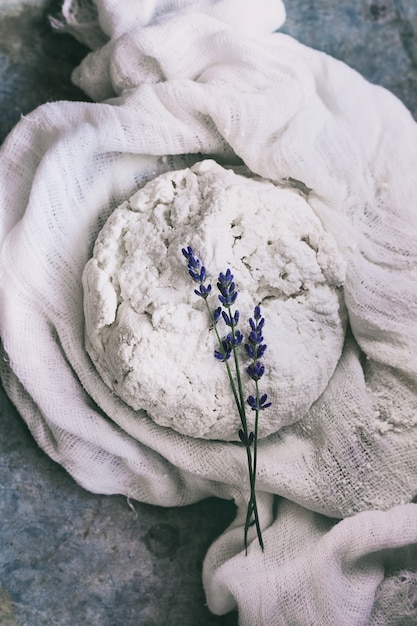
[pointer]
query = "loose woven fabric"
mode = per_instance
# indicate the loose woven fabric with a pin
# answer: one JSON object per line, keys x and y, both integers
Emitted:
{"x": 182, "y": 79}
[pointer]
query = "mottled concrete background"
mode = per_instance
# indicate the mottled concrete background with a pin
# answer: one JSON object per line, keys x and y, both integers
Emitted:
{"x": 70, "y": 558}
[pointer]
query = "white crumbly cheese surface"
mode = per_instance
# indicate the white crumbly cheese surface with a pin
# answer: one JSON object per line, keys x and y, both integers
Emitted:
{"x": 148, "y": 333}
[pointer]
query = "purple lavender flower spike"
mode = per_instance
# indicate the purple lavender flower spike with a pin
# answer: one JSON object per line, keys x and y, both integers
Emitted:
{"x": 236, "y": 339}
{"x": 225, "y": 351}
{"x": 232, "y": 320}
{"x": 203, "y": 291}
{"x": 227, "y": 288}
{"x": 259, "y": 404}
{"x": 247, "y": 440}
{"x": 197, "y": 272}
{"x": 256, "y": 370}
{"x": 217, "y": 314}
{"x": 255, "y": 350}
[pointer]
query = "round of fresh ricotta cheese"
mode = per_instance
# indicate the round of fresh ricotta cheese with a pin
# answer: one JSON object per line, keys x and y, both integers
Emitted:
{"x": 149, "y": 334}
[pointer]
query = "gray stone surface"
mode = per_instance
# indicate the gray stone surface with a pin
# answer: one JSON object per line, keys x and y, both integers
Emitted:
{"x": 376, "y": 37}
{"x": 35, "y": 63}
{"x": 71, "y": 558}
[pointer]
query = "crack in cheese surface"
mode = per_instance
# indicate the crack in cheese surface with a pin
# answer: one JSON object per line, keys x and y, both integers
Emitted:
{"x": 147, "y": 332}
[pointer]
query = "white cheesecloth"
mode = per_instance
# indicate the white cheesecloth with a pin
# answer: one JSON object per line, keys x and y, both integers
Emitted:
{"x": 186, "y": 78}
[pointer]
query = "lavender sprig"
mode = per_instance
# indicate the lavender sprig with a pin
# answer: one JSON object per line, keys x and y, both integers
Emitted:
{"x": 255, "y": 348}
{"x": 228, "y": 347}
{"x": 198, "y": 273}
